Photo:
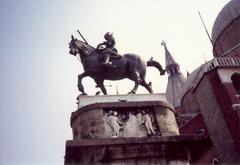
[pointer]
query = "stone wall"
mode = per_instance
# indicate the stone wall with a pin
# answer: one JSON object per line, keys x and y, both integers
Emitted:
{"x": 169, "y": 150}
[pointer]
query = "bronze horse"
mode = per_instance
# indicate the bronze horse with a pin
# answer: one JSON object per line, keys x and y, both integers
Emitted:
{"x": 129, "y": 66}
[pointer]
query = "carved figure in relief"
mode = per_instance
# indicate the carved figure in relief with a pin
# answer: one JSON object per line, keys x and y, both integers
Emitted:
{"x": 114, "y": 123}
{"x": 147, "y": 120}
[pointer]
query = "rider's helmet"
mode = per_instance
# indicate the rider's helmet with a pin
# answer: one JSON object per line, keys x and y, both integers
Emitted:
{"x": 108, "y": 36}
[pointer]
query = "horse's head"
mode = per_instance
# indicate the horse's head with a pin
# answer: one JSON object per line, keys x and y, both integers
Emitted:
{"x": 78, "y": 47}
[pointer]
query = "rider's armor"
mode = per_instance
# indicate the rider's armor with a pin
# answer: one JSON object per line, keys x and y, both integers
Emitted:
{"x": 108, "y": 49}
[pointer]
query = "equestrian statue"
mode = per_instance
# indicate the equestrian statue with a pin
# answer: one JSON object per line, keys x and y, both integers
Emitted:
{"x": 104, "y": 63}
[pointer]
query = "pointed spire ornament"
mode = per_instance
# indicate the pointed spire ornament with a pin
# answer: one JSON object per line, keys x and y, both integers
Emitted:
{"x": 169, "y": 61}
{"x": 175, "y": 79}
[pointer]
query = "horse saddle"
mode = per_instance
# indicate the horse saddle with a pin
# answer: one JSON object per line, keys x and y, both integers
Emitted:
{"x": 112, "y": 55}
{"x": 115, "y": 56}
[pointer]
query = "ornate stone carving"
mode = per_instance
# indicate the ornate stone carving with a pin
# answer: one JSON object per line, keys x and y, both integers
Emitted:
{"x": 131, "y": 123}
{"x": 124, "y": 119}
{"x": 114, "y": 122}
{"x": 148, "y": 120}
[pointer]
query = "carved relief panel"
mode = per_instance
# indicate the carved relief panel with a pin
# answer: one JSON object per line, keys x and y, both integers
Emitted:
{"x": 130, "y": 122}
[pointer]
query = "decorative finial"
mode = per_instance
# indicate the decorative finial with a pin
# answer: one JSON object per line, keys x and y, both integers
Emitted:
{"x": 163, "y": 43}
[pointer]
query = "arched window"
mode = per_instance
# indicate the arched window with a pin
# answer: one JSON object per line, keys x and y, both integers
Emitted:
{"x": 236, "y": 82}
{"x": 215, "y": 161}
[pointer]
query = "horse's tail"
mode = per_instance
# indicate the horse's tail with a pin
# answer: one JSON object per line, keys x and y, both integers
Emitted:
{"x": 156, "y": 65}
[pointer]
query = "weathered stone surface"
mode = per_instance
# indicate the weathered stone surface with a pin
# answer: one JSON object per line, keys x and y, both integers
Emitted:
{"x": 166, "y": 121}
{"x": 155, "y": 150}
{"x": 84, "y": 100}
{"x": 89, "y": 125}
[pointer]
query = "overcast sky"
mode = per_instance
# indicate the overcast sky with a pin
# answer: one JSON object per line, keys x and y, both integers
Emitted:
{"x": 39, "y": 78}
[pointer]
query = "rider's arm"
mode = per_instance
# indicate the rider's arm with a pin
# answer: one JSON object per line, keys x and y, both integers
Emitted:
{"x": 101, "y": 44}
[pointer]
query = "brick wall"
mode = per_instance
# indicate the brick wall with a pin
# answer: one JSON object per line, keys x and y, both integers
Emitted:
{"x": 193, "y": 126}
{"x": 208, "y": 157}
{"x": 228, "y": 39}
{"x": 189, "y": 102}
{"x": 213, "y": 99}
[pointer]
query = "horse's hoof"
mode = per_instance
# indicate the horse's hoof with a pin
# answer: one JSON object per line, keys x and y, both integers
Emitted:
{"x": 132, "y": 92}
{"x": 83, "y": 94}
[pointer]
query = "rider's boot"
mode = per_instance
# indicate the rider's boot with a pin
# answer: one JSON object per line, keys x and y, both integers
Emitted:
{"x": 107, "y": 62}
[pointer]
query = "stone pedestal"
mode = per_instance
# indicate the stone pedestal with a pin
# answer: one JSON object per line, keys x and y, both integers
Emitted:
{"x": 128, "y": 130}
{"x": 92, "y": 121}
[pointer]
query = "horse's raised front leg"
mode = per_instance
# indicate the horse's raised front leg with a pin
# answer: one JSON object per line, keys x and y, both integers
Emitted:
{"x": 80, "y": 86}
{"x": 101, "y": 86}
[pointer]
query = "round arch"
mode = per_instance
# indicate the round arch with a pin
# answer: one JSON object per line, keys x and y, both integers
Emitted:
{"x": 236, "y": 81}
